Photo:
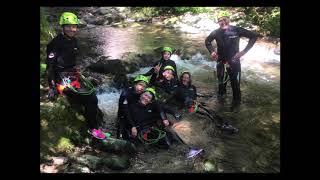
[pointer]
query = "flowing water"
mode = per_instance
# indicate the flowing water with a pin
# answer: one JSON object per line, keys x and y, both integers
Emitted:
{"x": 256, "y": 148}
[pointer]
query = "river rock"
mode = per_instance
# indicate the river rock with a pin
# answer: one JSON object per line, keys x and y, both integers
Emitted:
{"x": 194, "y": 129}
{"x": 82, "y": 23}
{"x": 100, "y": 20}
{"x": 104, "y": 10}
{"x": 209, "y": 166}
{"x": 114, "y": 162}
{"x": 112, "y": 66}
{"x": 114, "y": 145}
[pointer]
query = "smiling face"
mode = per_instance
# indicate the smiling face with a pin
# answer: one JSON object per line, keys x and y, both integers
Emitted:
{"x": 168, "y": 74}
{"x": 146, "y": 98}
{"x": 70, "y": 30}
{"x": 140, "y": 87}
{"x": 224, "y": 22}
{"x": 166, "y": 55}
{"x": 185, "y": 79}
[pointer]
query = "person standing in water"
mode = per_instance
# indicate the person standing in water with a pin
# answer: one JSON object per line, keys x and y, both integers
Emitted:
{"x": 228, "y": 55}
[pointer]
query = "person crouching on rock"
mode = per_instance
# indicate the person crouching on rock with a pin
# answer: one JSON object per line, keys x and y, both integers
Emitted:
{"x": 129, "y": 96}
{"x": 144, "y": 125}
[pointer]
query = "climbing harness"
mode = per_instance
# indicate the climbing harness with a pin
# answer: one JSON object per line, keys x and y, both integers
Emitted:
{"x": 226, "y": 75}
{"x": 72, "y": 81}
{"x": 145, "y": 137}
{"x": 194, "y": 107}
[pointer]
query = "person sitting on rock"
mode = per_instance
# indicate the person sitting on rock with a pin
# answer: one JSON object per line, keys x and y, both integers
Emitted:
{"x": 62, "y": 75}
{"x": 145, "y": 114}
{"x": 186, "y": 96}
{"x": 167, "y": 82}
{"x": 186, "y": 93}
{"x": 129, "y": 96}
{"x": 158, "y": 67}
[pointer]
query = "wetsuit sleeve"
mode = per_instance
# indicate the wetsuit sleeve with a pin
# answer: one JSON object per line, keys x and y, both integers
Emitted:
{"x": 51, "y": 61}
{"x": 151, "y": 71}
{"x": 195, "y": 93}
{"x": 248, "y": 34}
{"x": 124, "y": 105}
{"x": 175, "y": 72}
{"x": 157, "y": 83}
{"x": 167, "y": 109}
{"x": 208, "y": 41}
{"x": 160, "y": 109}
{"x": 173, "y": 95}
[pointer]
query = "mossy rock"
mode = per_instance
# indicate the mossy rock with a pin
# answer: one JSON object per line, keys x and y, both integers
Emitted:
{"x": 65, "y": 145}
{"x": 59, "y": 127}
{"x": 114, "y": 162}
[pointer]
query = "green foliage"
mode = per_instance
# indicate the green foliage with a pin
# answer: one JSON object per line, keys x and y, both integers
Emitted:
{"x": 195, "y": 10}
{"x": 46, "y": 31}
{"x": 46, "y": 34}
{"x": 267, "y": 18}
{"x": 144, "y": 12}
{"x": 157, "y": 11}
{"x": 59, "y": 126}
{"x": 43, "y": 68}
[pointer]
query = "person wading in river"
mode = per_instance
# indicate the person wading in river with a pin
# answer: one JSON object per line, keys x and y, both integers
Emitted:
{"x": 228, "y": 54}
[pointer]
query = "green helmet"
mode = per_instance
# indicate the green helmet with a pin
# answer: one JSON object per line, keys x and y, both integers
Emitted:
{"x": 152, "y": 91}
{"x": 141, "y": 78}
{"x": 168, "y": 49}
{"x": 168, "y": 68}
{"x": 223, "y": 14}
{"x": 68, "y": 18}
{"x": 184, "y": 72}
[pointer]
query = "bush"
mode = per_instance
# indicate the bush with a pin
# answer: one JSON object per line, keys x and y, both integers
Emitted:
{"x": 272, "y": 24}
{"x": 267, "y": 18}
{"x": 46, "y": 34}
{"x": 147, "y": 12}
{"x": 196, "y": 10}
{"x": 157, "y": 11}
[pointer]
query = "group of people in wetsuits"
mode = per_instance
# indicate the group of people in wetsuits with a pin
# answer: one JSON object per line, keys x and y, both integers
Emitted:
{"x": 140, "y": 113}
{"x": 139, "y": 110}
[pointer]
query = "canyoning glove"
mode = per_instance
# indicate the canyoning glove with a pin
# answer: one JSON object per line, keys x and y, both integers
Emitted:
{"x": 52, "y": 94}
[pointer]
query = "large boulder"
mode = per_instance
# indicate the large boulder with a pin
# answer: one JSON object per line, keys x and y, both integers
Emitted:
{"x": 130, "y": 64}
{"x": 108, "y": 66}
{"x": 114, "y": 145}
{"x": 194, "y": 129}
{"x": 62, "y": 126}
{"x": 100, "y": 20}
{"x": 58, "y": 123}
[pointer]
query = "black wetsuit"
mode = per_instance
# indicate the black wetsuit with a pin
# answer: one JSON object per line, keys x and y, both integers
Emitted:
{"x": 145, "y": 117}
{"x": 167, "y": 86}
{"x": 128, "y": 96}
{"x": 185, "y": 95}
{"x": 142, "y": 117}
{"x": 61, "y": 57}
{"x": 228, "y": 45}
{"x": 163, "y": 63}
